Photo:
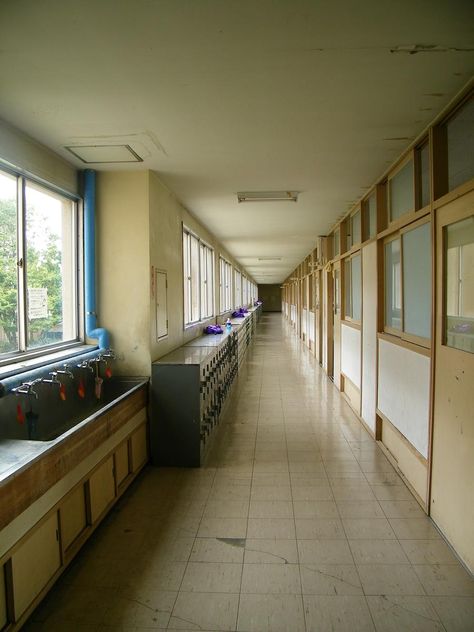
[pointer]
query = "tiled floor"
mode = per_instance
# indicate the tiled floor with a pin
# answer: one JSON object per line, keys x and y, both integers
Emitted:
{"x": 298, "y": 523}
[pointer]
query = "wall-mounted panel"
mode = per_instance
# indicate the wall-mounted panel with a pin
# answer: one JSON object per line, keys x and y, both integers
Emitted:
{"x": 311, "y": 326}
{"x": 369, "y": 334}
{"x": 403, "y": 392}
{"x": 350, "y": 353}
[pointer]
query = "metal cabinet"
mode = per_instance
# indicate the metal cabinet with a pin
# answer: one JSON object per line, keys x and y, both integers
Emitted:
{"x": 188, "y": 391}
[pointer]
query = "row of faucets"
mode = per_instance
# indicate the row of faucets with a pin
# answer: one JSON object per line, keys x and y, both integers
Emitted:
{"x": 27, "y": 388}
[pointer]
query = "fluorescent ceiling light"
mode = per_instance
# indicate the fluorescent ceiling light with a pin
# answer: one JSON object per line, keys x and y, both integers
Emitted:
{"x": 104, "y": 153}
{"x": 269, "y": 258}
{"x": 268, "y": 196}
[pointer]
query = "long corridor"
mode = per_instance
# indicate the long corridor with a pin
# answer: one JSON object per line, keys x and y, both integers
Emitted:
{"x": 297, "y": 523}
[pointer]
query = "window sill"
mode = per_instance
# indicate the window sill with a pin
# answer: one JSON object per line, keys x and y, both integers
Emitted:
{"x": 23, "y": 365}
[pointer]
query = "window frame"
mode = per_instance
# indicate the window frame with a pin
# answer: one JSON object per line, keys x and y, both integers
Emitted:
{"x": 187, "y": 236}
{"x": 392, "y": 331}
{"x": 225, "y": 285}
{"x": 23, "y": 352}
{"x": 343, "y": 284}
{"x": 409, "y": 157}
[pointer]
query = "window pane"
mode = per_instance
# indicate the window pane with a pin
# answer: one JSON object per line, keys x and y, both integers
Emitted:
{"x": 355, "y": 228}
{"x": 460, "y": 136}
{"x": 210, "y": 281}
{"x": 401, "y": 192}
{"x": 417, "y": 281}
{"x": 393, "y": 296}
{"x": 372, "y": 216}
{"x": 425, "y": 175}
{"x": 187, "y": 279}
{"x": 336, "y": 242}
{"x": 8, "y": 267}
{"x": 459, "y": 306}
{"x": 194, "y": 255}
{"x": 337, "y": 300}
{"x": 356, "y": 284}
{"x": 347, "y": 289}
{"x": 50, "y": 267}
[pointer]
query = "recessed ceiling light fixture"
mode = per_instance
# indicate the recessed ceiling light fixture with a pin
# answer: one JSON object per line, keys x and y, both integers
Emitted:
{"x": 267, "y": 196}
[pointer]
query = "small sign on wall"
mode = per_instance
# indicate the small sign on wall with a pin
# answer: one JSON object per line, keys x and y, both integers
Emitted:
{"x": 37, "y": 302}
{"x": 161, "y": 303}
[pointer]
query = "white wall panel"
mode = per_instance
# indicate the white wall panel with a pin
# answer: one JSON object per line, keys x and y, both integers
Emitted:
{"x": 369, "y": 334}
{"x": 304, "y": 323}
{"x": 311, "y": 326}
{"x": 403, "y": 392}
{"x": 350, "y": 353}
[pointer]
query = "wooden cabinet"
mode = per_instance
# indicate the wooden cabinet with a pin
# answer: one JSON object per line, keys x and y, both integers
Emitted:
{"x": 101, "y": 488}
{"x": 35, "y": 562}
{"x": 122, "y": 463}
{"x": 3, "y": 599}
{"x": 139, "y": 447}
{"x": 73, "y": 516}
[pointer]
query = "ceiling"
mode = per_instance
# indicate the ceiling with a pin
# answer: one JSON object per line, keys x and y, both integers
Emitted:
{"x": 239, "y": 95}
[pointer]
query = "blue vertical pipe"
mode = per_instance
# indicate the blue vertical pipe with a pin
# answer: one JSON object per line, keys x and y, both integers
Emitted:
{"x": 92, "y": 331}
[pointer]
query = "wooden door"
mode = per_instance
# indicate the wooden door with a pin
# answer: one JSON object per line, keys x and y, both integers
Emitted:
{"x": 452, "y": 491}
{"x": 102, "y": 489}
{"x": 34, "y": 563}
{"x": 139, "y": 447}
{"x": 73, "y": 516}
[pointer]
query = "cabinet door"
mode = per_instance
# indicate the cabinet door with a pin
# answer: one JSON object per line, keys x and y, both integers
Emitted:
{"x": 139, "y": 447}
{"x": 72, "y": 514}
{"x": 122, "y": 467}
{"x": 102, "y": 488}
{"x": 34, "y": 563}
{"x": 3, "y": 599}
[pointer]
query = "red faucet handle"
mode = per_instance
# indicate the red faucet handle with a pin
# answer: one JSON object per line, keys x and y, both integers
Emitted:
{"x": 20, "y": 417}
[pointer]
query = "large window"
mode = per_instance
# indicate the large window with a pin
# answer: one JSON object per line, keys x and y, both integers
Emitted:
{"x": 225, "y": 285}
{"x": 460, "y": 145}
{"x": 38, "y": 267}
{"x": 459, "y": 281}
{"x": 238, "y": 289}
{"x": 198, "y": 277}
{"x": 353, "y": 288}
{"x": 408, "y": 284}
{"x": 401, "y": 191}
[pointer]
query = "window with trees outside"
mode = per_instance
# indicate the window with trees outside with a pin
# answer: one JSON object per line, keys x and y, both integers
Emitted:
{"x": 225, "y": 285}
{"x": 38, "y": 267}
{"x": 198, "y": 279}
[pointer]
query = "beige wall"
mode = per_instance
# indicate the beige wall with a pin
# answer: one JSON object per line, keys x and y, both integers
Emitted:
{"x": 28, "y": 155}
{"x": 123, "y": 284}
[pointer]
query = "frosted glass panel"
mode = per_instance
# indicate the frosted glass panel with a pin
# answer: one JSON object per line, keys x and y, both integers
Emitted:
{"x": 417, "y": 281}
{"x": 356, "y": 279}
{"x": 459, "y": 306}
{"x": 336, "y": 243}
{"x": 372, "y": 216}
{"x": 460, "y": 135}
{"x": 355, "y": 229}
{"x": 401, "y": 192}
{"x": 347, "y": 289}
{"x": 424, "y": 175}
{"x": 393, "y": 286}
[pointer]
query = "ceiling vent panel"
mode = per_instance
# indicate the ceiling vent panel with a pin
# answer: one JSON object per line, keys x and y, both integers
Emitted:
{"x": 99, "y": 154}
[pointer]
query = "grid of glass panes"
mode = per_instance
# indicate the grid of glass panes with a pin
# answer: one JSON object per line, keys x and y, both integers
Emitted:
{"x": 238, "y": 288}
{"x": 407, "y": 262}
{"x": 225, "y": 271}
{"x": 353, "y": 288}
{"x": 198, "y": 278}
{"x": 38, "y": 266}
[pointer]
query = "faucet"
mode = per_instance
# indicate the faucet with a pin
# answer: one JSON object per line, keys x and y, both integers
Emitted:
{"x": 54, "y": 379}
{"x": 66, "y": 370}
{"x": 85, "y": 364}
{"x": 27, "y": 388}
